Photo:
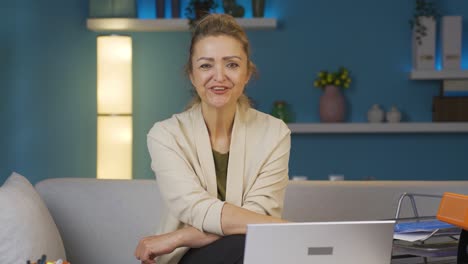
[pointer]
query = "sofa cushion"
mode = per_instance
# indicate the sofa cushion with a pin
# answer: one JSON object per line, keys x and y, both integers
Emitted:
{"x": 27, "y": 229}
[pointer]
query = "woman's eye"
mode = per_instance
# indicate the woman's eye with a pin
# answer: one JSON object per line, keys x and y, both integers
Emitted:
{"x": 205, "y": 66}
{"x": 232, "y": 65}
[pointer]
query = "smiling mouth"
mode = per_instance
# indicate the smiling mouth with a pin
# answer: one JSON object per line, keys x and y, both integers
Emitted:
{"x": 219, "y": 88}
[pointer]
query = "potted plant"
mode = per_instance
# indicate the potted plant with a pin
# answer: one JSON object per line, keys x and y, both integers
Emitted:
{"x": 332, "y": 106}
{"x": 339, "y": 78}
{"x": 424, "y": 10}
{"x": 233, "y": 9}
{"x": 196, "y": 9}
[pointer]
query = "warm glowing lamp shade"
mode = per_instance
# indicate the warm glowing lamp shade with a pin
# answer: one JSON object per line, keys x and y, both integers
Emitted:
{"x": 114, "y": 96}
{"x": 114, "y": 74}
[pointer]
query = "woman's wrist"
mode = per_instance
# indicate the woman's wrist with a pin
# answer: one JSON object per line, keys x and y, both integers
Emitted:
{"x": 191, "y": 237}
{"x": 180, "y": 237}
{"x": 234, "y": 219}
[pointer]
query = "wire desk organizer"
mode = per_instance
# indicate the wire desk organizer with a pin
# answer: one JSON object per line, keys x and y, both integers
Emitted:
{"x": 442, "y": 244}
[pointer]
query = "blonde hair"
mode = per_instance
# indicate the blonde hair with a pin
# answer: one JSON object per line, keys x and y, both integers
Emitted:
{"x": 219, "y": 25}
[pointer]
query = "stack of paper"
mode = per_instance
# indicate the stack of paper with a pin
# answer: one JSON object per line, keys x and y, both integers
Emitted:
{"x": 420, "y": 231}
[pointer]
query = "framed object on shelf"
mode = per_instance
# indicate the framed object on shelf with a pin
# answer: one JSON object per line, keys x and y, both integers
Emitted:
{"x": 451, "y": 42}
{"x": 424, "y": 44}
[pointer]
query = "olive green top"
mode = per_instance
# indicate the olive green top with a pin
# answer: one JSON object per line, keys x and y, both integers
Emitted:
{"x": 221, "y": 165}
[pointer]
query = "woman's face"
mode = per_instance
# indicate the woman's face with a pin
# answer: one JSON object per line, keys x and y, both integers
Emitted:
{"x": 219, "y": 71}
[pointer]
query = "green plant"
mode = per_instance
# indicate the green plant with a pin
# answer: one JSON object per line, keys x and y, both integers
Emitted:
{"x": 196, "y": 9}
{"x": 424, "y": 8}
{"x": 339, "y": 78}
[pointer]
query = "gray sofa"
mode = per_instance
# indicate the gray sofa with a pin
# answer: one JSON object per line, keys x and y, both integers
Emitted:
{"x": 362, "y": 200}
{"x": 101, "y": 221}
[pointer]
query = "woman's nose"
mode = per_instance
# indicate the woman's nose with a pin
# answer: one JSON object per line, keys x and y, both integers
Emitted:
{"x": 219, "y": 74}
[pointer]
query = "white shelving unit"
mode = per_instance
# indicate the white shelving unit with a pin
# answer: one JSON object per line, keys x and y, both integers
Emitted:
{"x": 346, "y": 128}
{"x": 179, "y": 24}
{"x": 439, "y": 75}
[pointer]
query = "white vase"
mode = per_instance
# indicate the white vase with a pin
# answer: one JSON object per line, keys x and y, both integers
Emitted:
{"x": 394, "y": 115}
{"x": 375, "y": 114}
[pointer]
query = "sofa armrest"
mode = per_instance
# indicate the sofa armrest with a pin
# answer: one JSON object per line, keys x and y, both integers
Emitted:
{"x": 101, "y": 221}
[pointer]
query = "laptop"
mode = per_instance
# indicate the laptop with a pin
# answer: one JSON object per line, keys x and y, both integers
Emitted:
{"x": 361, "y": 242}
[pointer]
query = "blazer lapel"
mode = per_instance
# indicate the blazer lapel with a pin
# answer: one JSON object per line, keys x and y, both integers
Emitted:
{"x": 235, "y": 174}
{"x": 204, "y": 152}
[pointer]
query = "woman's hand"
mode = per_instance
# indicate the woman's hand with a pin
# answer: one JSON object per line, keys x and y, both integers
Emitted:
{"x": 153, "y": 246}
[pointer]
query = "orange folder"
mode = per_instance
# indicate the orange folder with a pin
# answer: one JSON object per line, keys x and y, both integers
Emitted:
{"x": 453, "y": 209}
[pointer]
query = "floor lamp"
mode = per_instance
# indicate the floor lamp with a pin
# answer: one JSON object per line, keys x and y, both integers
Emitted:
{"x": 114, "y": 107}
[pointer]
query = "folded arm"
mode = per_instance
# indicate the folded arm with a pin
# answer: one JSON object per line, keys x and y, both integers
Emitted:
{"x": 153, "y": 246}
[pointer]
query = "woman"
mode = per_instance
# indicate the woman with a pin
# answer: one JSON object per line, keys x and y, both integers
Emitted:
{"x": 220, "y": 165}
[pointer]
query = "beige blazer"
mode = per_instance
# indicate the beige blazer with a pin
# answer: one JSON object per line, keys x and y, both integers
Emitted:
{"x": 182, "y": 161}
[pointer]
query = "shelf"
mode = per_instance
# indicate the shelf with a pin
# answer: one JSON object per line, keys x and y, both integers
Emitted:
{"x": 180, "y": 24}
{"x": 439, "y": 75}
{"x": 342, "y": 128}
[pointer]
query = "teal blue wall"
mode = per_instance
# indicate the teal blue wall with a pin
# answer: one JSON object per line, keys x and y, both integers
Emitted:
{"x": 48, "y": 88}
{"x": 6, "y": 65}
